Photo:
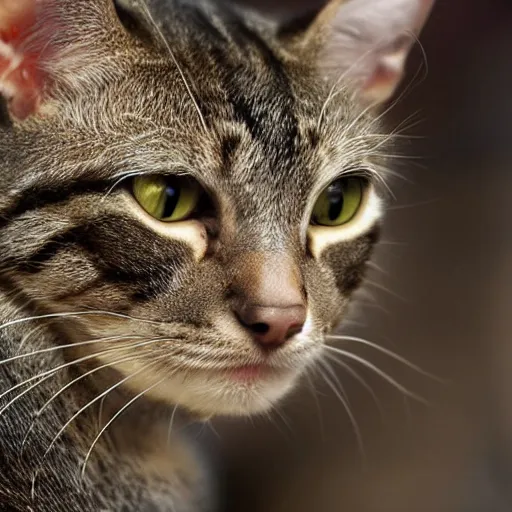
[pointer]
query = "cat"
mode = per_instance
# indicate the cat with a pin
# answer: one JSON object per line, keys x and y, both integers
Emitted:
{"x": 190, "y": 194}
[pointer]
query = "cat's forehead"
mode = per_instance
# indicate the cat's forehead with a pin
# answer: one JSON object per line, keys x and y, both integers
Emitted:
{"x": 215, "y": 99}
{"x": 237, "y": 108}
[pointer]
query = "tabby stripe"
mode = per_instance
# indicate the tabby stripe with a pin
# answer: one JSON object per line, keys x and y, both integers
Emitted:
{"x": 229, "y": 146}
{"x": 34, "y": 263}
{"x": 80, "y": 237}
{"x": 353, "y": 273}
{"x": 39, "y": 197}
{"x": 104, "y": 242}
{"x": 248, "y": 109}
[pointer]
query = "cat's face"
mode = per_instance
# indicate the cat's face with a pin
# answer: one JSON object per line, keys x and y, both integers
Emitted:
{"x": 206, "y": 206}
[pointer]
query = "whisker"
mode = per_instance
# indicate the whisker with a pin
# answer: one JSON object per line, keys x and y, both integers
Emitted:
{"x": 394, "y": 243}
{"x": 100, "y": 413}
{"x": 335, "y": 378}
{"x": 71, "y": 314}
{"x": 120, "y": 180}
{"x": 201, "y": 431}
{"x": 386, "y": 352}
{"x": 346, "y": 406}
{"x": 378, "y": 371}
{"x": 429, "y": 202}
{"x": 272, "y": 420}
{"x": 283, "y": 418}
{"x": 359, "y": 379}
{"x": 70, "y": 345}
{"x": 78, "y": 413}
{"x": 27, "y": 337}
{"x": 311, "y": 387}
{"x": 116, "y": 415}
{"x": 333, "y": 92}
{"x": 171, "y": 422}
{"x": 49, "y": 373}
{"x": 214, "y": 430}
{"x": 152, "y": 20}
{"x": 371, "y": 302}
{"x": 67, "y": 386}
{"x": 375, "y": 266}
{"x": 406, "y": 90}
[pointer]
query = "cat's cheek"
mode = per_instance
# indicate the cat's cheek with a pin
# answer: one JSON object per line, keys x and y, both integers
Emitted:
{"x": 338, "y": 261}
{"x": 324, "y": 300}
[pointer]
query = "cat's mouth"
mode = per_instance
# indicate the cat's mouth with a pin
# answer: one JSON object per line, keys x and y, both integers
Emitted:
{"x": 254, "y": 374}
{"x": 201, "y": 375}
{"x": 240, "y": 388}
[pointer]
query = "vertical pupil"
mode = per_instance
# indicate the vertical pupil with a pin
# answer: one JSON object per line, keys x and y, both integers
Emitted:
{"x": 172, "y": 196}
{"x": 335, "y": 196}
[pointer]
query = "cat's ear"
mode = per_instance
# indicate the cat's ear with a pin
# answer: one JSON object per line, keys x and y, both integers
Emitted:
{"x": 45, "y": 43}
{"x": 365, "y": 42}
{"x": 21, "y": 75}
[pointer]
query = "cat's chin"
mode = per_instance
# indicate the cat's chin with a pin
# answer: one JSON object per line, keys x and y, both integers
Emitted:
{"x": 241, "y": 392}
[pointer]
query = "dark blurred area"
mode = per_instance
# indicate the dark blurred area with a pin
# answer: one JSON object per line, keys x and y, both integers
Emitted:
{"x": 440, "y": 295}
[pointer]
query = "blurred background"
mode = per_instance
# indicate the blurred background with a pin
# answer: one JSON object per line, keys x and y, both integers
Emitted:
{"x": 440, "y": 295}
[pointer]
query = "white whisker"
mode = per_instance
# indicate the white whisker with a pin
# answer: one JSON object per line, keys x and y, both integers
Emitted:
{"x": 359, "y": 379}
{"x": 78, "y": 413}
{"x": 67, "y": 386}
{"x": 70, "y": 345}
{"x": 311, "y": 387}
{"x": 378, "y": 371}
{"x": 72, "y": 314}
{"x": 386, "y": 352}
{"x": 116, "y": 415}
{"x": 349, "y": 412}
{"x": 152, "y": 20}
{"x": 26, "y": 338}
{"x": 335, "y": 378}
{"x": 171, "y": 423}
{"x": 49, "y": 373}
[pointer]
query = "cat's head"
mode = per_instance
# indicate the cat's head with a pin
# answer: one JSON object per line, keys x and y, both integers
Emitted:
{"x": 196, "y": 190}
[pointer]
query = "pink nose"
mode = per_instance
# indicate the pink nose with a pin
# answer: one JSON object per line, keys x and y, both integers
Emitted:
{"x": 271, "y": 326}
{"x": 268, "y": 297}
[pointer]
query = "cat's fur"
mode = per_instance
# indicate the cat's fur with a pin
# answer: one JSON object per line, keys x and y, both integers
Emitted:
{"x": 255, "y": 112}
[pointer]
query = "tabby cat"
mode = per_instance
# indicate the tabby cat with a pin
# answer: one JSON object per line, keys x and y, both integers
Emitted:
{"x": 189, "y": 195}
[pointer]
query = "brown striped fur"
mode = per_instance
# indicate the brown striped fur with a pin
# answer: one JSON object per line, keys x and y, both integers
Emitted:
{"x": 207, "y": 91}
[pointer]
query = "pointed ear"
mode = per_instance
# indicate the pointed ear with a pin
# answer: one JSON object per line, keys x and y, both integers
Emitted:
{"x": 365, "y": 42}
{"x": 50, "y": 43}
{"x": 20, "y": 82}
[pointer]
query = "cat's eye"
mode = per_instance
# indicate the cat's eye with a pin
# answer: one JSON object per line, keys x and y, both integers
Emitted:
{"x": 167, "y": 198}
{"x": 339, "y": 202}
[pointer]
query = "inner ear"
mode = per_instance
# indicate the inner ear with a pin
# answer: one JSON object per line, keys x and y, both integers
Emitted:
{"x": 52, "y": 45}
{"x": 365, "y": 42}
{"x": 27, "y": 29}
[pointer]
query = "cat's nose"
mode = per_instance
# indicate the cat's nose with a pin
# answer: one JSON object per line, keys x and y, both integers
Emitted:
{"x": 270, "y": 326}
{"x": 269, "y": 298}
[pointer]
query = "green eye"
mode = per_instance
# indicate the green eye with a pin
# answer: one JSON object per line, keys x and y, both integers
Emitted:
{"x": 169, "y": 199}
{"x": 339, "y": 202}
